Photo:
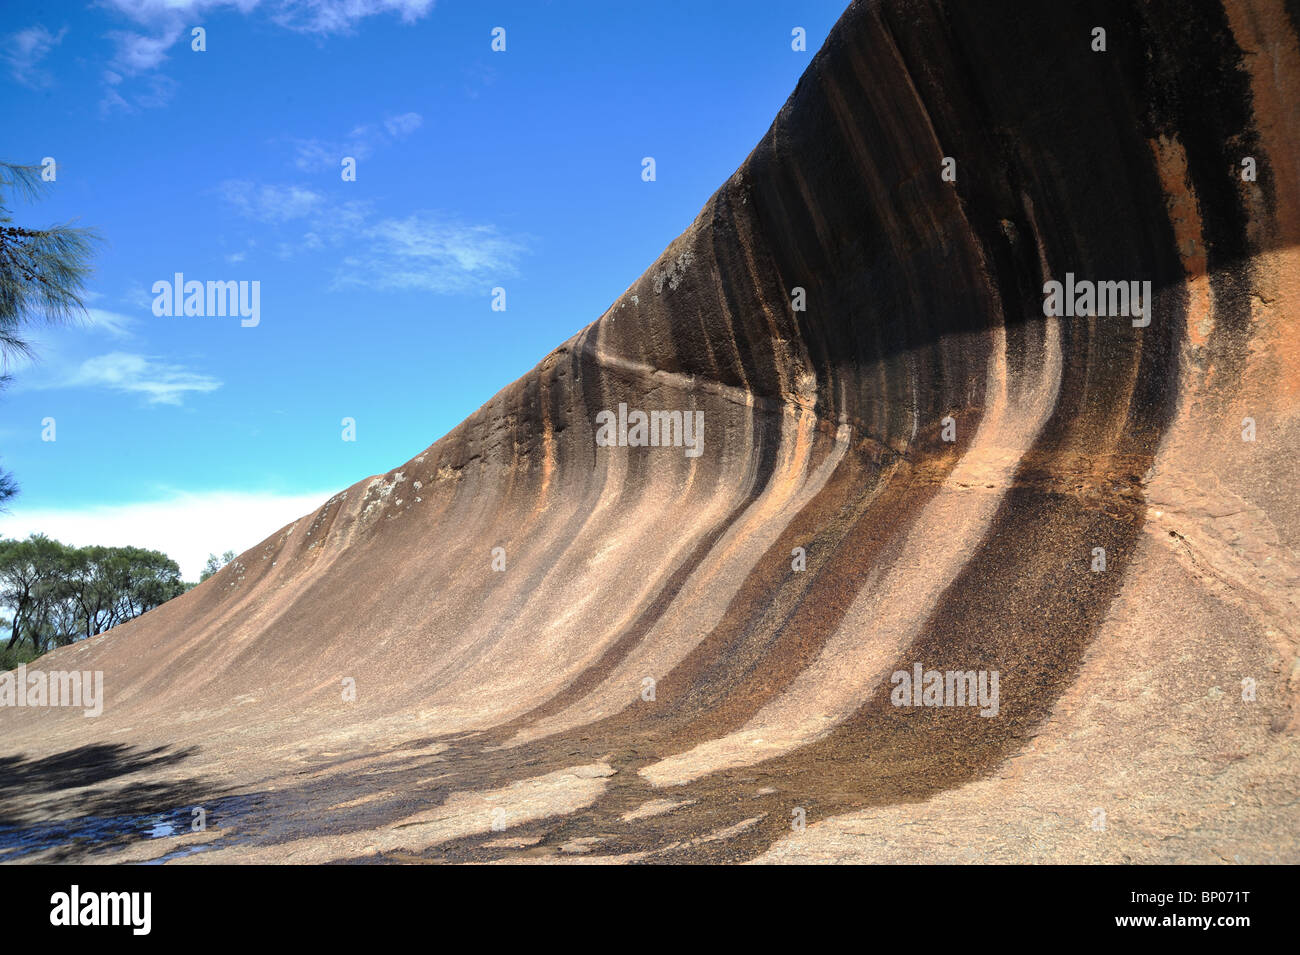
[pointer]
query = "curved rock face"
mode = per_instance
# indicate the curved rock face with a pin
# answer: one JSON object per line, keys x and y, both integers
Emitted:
{"x": 890, "y": 460}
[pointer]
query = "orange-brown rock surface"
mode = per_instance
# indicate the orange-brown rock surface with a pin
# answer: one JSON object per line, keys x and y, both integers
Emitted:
{"x": 650, "y": 677}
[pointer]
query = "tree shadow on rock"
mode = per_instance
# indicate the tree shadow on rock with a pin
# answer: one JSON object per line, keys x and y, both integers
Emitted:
{"x": 78, "y": 803}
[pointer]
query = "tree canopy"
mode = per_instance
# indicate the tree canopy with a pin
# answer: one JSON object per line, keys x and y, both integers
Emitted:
{"x": 58, "y": 594}
{"x": 42, "y": 275}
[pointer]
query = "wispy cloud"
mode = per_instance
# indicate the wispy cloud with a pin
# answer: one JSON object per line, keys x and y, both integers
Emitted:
{"x": 159, "y": 24}
{"x": 158, "y": 382}
{"x": 361, "y": 143}
{"x": 342, "y": 16}
{"x": 424, "y": 251}
{"x": 309, "y": 16}
{"x": 406, "y": 123}
{"x": 115, "y": 323}
{"x": 138, "y": 54}
{"x": 23, "y": 52}
{"x": 270, "y": 204}
{"x": 152, "y": 13}
{"x": 137, "y": 296}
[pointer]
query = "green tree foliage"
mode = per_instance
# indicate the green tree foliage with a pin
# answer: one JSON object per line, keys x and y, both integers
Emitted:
{"x": 215, "y": 563}
{"x": 58, "y": 594}
{"x": 42, "y": 271}
{"x": 42, "y": 276}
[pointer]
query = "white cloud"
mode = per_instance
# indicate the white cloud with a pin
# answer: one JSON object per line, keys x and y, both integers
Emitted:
{"x": 153, "y": 12}
{"x": 158, "y": 382}
{"x": 58, "y": 350}
{"x": 318, "y": 154}
{"x": 341, "y": 16}
{"x": 23, "y": 52}
{"x": 422, "y": 251}
{"x": 137, "y": 295}
{"x": 137, "y": 52}
{"x": 115, "y": 323}
{"x": 161, "y": 23}
{"x": 361, "y": 143}
{"x": 308, "y": 16}
{"x": 403, "y": 125}
{"x": 114, "y": 100}
{"x": 158, "y": 91}
{"x": 184, "y": 526}
{"x": 427, "y": 252}
{"x": 270, "y": 204}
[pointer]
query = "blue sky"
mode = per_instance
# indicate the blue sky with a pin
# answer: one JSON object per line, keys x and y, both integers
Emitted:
{"x": 475, "y": 169}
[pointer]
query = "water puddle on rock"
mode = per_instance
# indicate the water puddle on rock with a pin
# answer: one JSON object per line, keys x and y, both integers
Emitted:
{"x": 80, "y": 839}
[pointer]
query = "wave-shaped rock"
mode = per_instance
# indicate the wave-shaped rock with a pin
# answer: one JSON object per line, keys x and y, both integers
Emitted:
{"x": 562, "y": 646}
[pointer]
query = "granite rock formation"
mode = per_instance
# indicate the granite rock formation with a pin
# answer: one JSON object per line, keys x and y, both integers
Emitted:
{"x": 687, "y": 657}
